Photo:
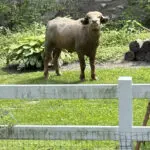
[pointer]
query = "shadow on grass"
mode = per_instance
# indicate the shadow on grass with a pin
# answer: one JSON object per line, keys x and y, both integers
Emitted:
{"x": 38, "y": 78}
{"x": 41, "y": 80}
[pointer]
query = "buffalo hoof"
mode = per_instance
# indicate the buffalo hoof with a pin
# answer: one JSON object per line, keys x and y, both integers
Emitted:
{"x": 94, "y": 78}
{"x": 58, "y": 73}
{"x": 82, "y": 78}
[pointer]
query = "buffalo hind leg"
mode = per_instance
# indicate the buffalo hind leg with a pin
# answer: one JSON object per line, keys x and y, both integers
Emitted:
{"x": 57, "y": 53}
{"x": 92, "y": 64}
{"x": 47, "y": 58}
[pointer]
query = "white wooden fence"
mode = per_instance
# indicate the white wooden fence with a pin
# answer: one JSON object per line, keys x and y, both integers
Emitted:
{"x": 124, "y": 91}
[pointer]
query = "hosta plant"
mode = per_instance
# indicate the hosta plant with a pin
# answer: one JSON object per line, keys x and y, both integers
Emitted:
{"x": 27, "y": 53}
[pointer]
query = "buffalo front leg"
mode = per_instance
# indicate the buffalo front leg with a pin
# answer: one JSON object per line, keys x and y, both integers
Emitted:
{"x": 57, "y": 53}
{"x": 92, "y": 64}
{"x": 82, "y": 66}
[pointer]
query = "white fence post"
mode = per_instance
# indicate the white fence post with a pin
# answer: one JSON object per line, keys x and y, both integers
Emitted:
{"x": 125, "y": 112}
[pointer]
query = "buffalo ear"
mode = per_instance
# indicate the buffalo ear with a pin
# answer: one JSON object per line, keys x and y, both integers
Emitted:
{"x": 104, "y": 19}
{"x": 85, "y": 20}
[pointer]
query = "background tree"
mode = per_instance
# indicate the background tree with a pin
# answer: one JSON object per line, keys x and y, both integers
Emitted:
{"x": 24, "y": 12}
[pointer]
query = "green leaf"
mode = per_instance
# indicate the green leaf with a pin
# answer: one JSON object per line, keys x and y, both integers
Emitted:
{"x": 28, "y": 53}
{"x": 38, "y": 49}
{"x": 33, "y": 43}
{"x": 32, "y": 61}
{"x": 14, "y": 47}
{"x": 21, "y": 65}
{"x": 38, "y": 64}
{"x": 26, "y": 47}
{"x": 27, "y": 63}
{"x": 19, "y": 51}
{"x": 63, "y": 55}
{"x": 42, "y": 47}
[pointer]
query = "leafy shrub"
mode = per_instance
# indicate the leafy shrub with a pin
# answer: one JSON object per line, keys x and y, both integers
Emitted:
{"x": 138, "y": 10}
{"x": 132, "y": 26}
{"x": 16, "y": 14}
{"x": 129, "y": 25}
{"x": 28, "y": 53}
{"x": 122, "y": 34}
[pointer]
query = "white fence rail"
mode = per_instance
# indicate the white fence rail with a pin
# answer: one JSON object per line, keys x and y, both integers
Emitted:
{"x": 125, "y": 91}
{"x": 72, "y": 91}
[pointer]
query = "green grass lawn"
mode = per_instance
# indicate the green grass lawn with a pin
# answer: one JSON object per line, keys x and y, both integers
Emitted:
{"x": 94, "y": 112}
{"x": 68, "y": 112}
{"x": 139, "y": 75}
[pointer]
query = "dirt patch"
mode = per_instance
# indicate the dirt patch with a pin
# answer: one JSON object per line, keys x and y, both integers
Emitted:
{"x": 109, "y": 65}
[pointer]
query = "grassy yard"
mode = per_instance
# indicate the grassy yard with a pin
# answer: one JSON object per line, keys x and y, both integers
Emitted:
{"x": 68, "y": 112}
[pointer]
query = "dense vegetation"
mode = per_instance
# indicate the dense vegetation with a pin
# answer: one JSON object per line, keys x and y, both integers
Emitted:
{"x": 16, "y": 14}
{"x": 26, "y": 47}
{"x": 20, "y": 13}
{"x": 139, "y": 10}
{"x": 22, "y": 31}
